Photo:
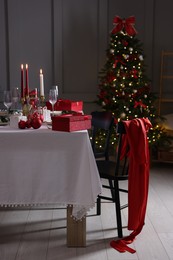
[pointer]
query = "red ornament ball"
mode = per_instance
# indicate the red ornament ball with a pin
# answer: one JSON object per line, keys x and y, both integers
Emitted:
{"x": 33, "y": 120}
{"x": 36, "y": 122}
{"x": 22, "y": 124}
{"x": 28, "y": 123}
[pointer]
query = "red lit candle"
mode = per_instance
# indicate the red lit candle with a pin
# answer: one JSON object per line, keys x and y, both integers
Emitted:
{"x": 26, "y": 82}
{"x": 22, "y": 82}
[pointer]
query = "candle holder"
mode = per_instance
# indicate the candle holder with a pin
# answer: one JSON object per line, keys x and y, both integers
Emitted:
{"x": 26, "y": 109}
{"x": 42, "y": 101}
{"x": 22, "y": 101}
{"x": 26, "y": 106}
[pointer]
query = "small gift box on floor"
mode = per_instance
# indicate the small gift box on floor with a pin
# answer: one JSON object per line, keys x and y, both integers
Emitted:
{"x": 71, "y": 122}
{"x": 66, "y": 105}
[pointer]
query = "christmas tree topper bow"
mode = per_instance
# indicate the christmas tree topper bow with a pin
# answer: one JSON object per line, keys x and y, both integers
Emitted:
{"x": 126, "y": 24}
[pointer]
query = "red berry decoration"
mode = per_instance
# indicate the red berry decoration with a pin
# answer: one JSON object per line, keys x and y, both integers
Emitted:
{"x": 22, "y": 124}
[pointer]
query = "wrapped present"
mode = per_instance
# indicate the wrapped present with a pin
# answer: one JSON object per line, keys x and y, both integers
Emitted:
{"x": 14, "y": 120}
{"x": 66, "y": 105}
{"x": 71, "y": 122}
{"x": 45, "y": 112}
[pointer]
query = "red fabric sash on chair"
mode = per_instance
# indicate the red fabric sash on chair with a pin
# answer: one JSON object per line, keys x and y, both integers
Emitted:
{"x": 139, "y": 162}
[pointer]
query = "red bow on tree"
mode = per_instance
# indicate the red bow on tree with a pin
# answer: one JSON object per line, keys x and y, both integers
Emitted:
{"x": 126, "y": 24}
{"x": 134, "y": 73}
{"x": 118, "y": 59}
{"x": 139, "y": 103}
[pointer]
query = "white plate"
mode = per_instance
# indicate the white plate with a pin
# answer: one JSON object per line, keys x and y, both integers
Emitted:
{"x": 3, "y": 123}
{"x": 57, "y": 113}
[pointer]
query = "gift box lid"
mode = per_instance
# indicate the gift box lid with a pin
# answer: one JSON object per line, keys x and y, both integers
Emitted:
{"x": 66, "y": 104}
{"x": 69, "y": 102}
{"x": 71, "y": 117}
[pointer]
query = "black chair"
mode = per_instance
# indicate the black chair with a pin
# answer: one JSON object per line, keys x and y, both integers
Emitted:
{"x": 114, "y": 171}
{"x": 102, "y": 122}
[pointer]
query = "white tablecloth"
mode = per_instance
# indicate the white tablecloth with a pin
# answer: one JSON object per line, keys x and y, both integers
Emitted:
{"x": 48, "y": 167}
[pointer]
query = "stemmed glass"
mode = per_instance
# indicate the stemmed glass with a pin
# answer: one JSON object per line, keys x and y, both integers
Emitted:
{"x": 53, "y": 95}
{"x": 7, "y": 99}
{"x": 56, "y": 88}
{"x": 15, "y": 98}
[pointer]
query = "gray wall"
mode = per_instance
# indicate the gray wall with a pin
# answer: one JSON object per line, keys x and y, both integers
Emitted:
{"x": 68, "y": 39}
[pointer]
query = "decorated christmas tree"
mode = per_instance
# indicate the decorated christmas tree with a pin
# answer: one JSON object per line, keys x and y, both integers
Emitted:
{"x": 124, "y": 87}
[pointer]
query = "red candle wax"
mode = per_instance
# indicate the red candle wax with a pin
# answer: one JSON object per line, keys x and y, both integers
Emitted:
{"x": 26, "y": 82}
{"x": 22, "y": 82}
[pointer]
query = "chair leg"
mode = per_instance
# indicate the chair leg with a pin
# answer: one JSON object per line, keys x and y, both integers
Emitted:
{"x": 98, "y": 212}
{"x": 118, "y": 209}
{"x": 112, "y": 190}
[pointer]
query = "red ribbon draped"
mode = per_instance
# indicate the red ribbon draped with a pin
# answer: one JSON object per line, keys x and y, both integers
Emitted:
{"x": 138, "y": 183}
{"x": 134, "y": 73}
{"x": 118, "y": 59}
{"x": 139, "y": 103}
{"x": 126, "y": 24}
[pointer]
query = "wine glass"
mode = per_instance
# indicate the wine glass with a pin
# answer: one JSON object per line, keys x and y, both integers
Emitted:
{"x": 56, "y": 88}
{"x": 53, "y": 94}
{"x": 15, "y": 98}
{"x": 7, "y": 99}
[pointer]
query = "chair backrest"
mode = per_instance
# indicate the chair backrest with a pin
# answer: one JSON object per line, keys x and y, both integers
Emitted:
{"x": 121, "y": 164}
{"x": 102, "y": 122}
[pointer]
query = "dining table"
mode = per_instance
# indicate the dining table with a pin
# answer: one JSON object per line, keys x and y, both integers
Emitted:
{"x": 46, "y": 167}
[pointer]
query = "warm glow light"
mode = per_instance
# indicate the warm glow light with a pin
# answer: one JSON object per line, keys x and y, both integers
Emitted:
{"x": 21, "y": 66}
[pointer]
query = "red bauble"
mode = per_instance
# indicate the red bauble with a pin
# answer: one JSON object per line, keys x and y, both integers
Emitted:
{"x": 29, "y": 117}
{"x": 36, "y": 122}
{"x": 41, "y": 117}
{"x": 22, "y": 124}
{"x": 28, "y": 123}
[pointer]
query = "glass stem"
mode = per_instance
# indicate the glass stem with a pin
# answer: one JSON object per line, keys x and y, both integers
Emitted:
{"x": 8, "y": 111}
{"x": 52, "y": 109}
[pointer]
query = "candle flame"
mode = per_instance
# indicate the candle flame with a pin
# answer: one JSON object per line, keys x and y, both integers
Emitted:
{"x": 22, "y": 66}
{"x": 26, "y": 66}
{"x": 41, "y": 72}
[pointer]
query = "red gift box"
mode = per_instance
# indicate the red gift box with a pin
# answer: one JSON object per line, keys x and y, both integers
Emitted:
{"x": 69, "y": 122}
{"x": 67, "y": 105}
